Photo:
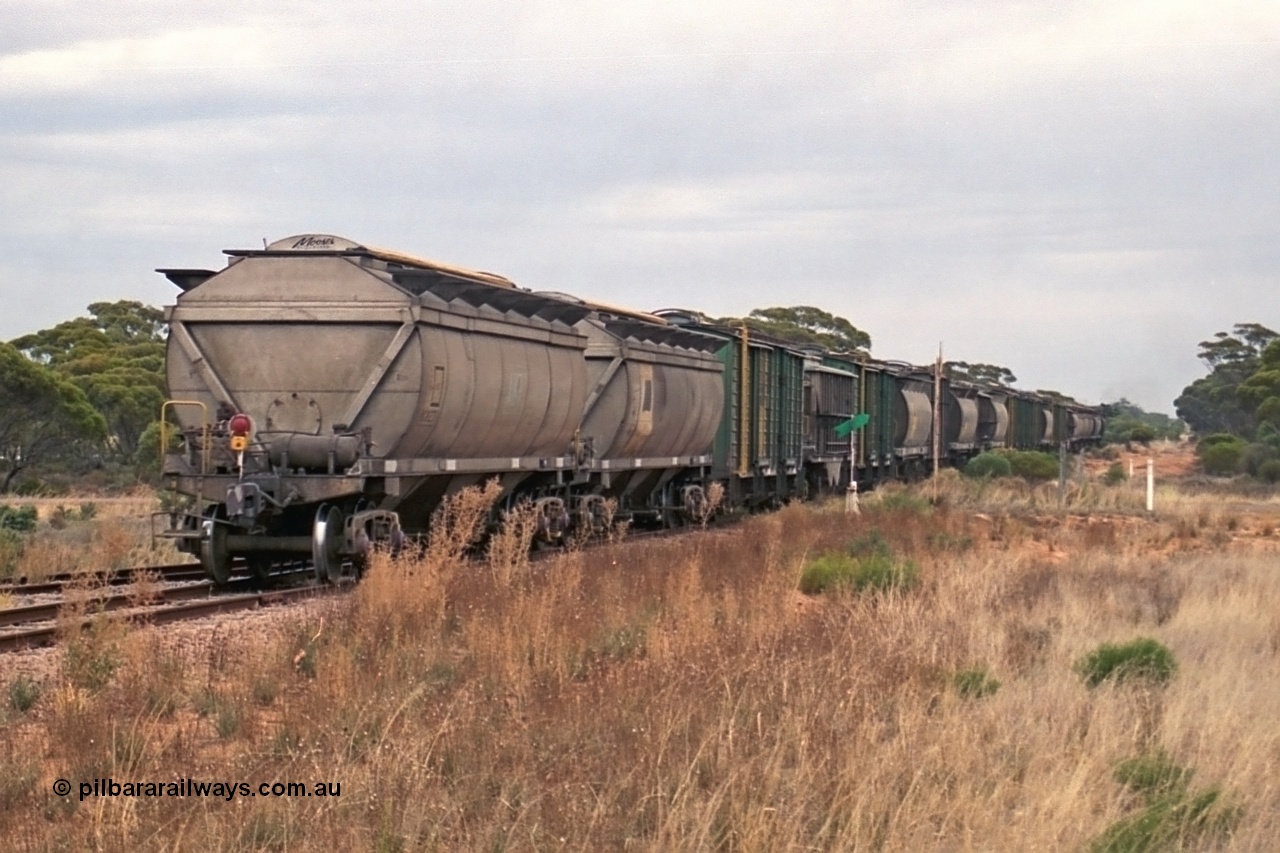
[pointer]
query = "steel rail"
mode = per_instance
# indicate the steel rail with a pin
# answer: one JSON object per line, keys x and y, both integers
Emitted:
{"x": 117, "y": 577}
{"x": 210, "y": 606}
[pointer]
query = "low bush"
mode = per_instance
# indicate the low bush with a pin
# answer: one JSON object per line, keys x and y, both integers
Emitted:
{"x": 90, "y": 657}
{"x": 1255, "y": 455}
{"x": 1215, "y": 438}
{"x": 1221, "y": 453}
{"x": 19, "y": 519}
{"x": 23, "y": 693}
{"x": 875, "y": 570}
{"x": 1173, "y": 818}
{"x": 11, "y": 548}
{"x": 1222, "y": 459}
{"x": 987, "y": 465}
{"x": 265, "y": 690}
{"x": 1142, "y": 434}
{"x": 826, "y": 572}
{"x": 1169, "y": 823}
{"x": 1152, "y": 774}
{"x": 1140, "y": 659}
{"x": 1033, "y": 465}
{"x": 1115, "y": 474}
{"x": 871, "y": 542}
{"x": 1269, "y": 471}
{"x": 901, "y": 500}
{"x": 975, "y": 683}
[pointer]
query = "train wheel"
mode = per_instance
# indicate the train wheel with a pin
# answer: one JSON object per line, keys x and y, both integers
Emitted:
{"x": 214, "y": 556}
{"x": 326, "y": 539}
{"x": 259, "y": 567}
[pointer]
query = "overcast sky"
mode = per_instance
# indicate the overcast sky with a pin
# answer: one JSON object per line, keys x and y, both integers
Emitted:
{"x": 1079, "y": 191}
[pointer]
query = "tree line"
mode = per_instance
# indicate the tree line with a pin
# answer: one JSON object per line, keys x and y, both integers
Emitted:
{"x": 1235, "y": 408}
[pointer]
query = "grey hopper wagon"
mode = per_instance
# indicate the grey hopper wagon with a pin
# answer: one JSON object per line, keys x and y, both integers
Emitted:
{"x": 378, "y": 383}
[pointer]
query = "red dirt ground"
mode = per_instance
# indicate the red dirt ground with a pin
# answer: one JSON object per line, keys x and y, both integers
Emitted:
{"x": 1172, "y": 459}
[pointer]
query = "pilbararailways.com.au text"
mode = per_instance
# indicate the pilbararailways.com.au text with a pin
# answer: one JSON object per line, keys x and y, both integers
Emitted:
{"x": 193, "y": 788}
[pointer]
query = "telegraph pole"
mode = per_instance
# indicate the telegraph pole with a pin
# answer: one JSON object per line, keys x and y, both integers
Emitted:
{"x": 937, "y": 418}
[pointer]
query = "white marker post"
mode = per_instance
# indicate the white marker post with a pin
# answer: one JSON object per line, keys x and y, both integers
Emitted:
{"x": 851, "y": 498}
{"x": 1151, "y": 484}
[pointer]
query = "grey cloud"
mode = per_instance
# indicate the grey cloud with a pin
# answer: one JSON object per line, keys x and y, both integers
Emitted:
{"x": 1071, "y": 205}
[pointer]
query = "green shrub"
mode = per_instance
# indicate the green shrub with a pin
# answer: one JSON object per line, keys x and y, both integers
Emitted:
{"x": 825, "y": 572}
{"x": 23, "y": 693}
{"x": 1153, "y": 774}
{"x": 88, "y": 511}
{"x": 883, "y": 572}
{"x": 227, "y": 718}
{"x": 1142, "y": 434}
{"x": 1221, "y": 453}
{"x": 871, "y": 542}
{"x": 975, "y": 683}
{"x": 1143, "y": 658}
{"x": 903, "y": 501}
{"x": 1115, "y": 474}
{"x": 91, "y": 657}
{"x": 1169, "y": 823}
{"x": 1173, "y": 818}
{"x": 1254, "y": 456}
{"x": 265, "y": 690}
{"x": 1269, "y": 471}
{"x": 1033, "y": 465}
{"x": 1222, "y": 459}
{"x": 11, "y": 547}
{"x": 20, "y": 519}
{"x": 877, "y": 571}
{"x": 1216, "y": 438}
{"x": 987, "y": 465}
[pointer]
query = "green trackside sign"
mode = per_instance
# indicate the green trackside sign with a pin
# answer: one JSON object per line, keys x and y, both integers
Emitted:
{"x": 855, "y": 422}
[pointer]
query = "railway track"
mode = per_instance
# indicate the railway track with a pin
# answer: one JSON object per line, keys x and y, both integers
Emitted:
{"x": 187, "y": 595}
{"x": 55, "y": 584}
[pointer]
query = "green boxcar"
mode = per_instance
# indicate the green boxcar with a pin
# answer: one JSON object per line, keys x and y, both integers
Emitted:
{"x": 877, "y": 396}
{"x": 1024, "y": 416}
{"x": 831, "y": 399}
{"x": 758, "y": 445}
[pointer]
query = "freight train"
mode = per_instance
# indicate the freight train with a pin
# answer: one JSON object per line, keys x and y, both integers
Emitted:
{"x": 330, "y": 395}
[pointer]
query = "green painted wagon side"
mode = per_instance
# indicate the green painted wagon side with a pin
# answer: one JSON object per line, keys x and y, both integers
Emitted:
{"x": 788, "y": 371}
{"x": 725, "y": 450}
{"x": 877, "y": 395}
{"x": 760, "y": 435}
{"x": 1024, "y": 416}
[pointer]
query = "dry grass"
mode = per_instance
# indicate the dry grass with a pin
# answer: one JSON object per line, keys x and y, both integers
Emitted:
{"x": 682, "y": 695}
{"x": 88, "y": 535}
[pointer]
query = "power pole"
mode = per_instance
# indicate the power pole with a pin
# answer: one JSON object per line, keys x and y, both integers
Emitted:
{"x": 937, "y": 418}
{"x": 1062, "y": 472}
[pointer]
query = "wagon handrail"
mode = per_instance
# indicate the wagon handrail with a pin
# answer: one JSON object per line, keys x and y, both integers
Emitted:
{"x": 205, "y": 448}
